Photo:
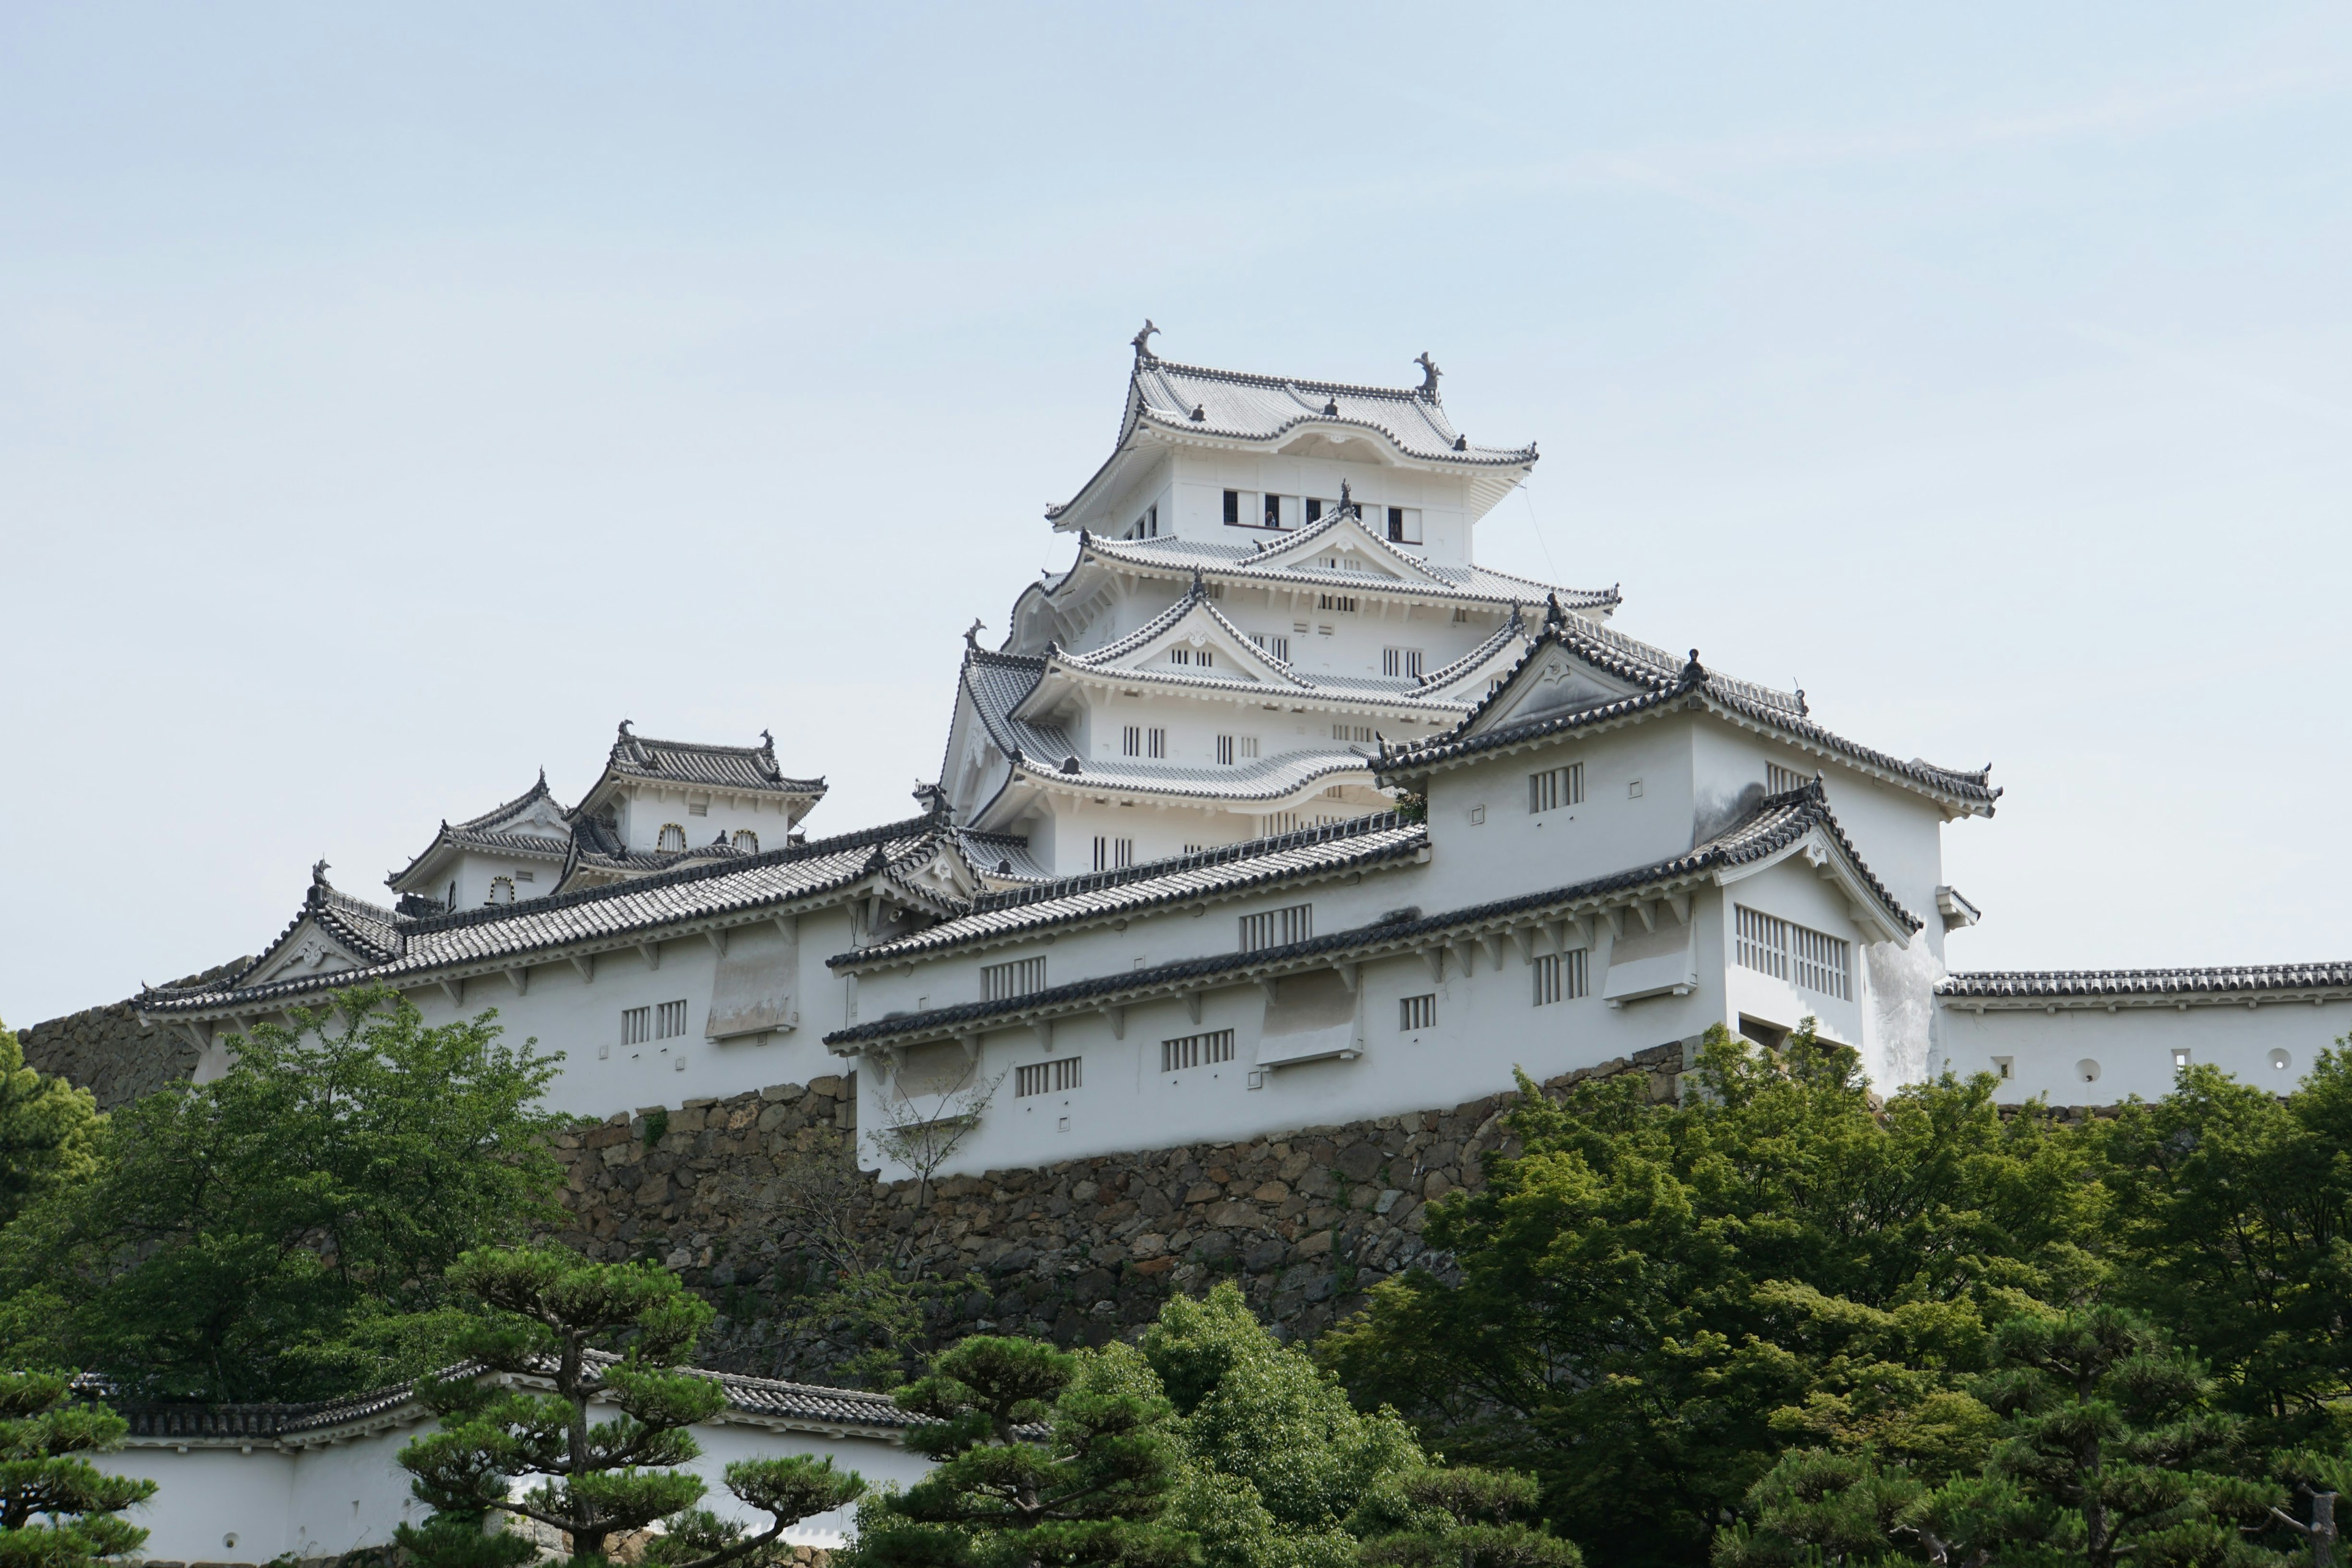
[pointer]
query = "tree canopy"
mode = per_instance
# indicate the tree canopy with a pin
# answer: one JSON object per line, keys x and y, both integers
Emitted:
{"x": 48, "y": 1130}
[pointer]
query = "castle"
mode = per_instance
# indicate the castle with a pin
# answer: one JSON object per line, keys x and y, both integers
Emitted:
{"x": 1272, "y": 809}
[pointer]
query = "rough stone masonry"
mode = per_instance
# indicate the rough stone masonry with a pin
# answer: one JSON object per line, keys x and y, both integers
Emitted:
{"x": 1082, "y": 1251}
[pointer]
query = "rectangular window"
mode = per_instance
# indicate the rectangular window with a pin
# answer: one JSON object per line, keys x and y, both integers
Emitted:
{"x": 669, "y": 1020}
{"x": 1278, "y": 927}
{"x": 1779, "y": 780}
{"x": 1234, "y": 509}
{"x": 1404, "y": 525}
{"x": 1113, "y": 854}
{"x": 1345, "y": 604}
{"x": 1808, "y": 959}
{"x": 697, "y": 808}
{"x": 1131, "y": 744}
{"x": 1417, "y": 1013}
{"x": 1352, "y": 732}
{"x": 1314, "y": 506}
{"x": 636, "y": 1026}
{"x": 1179, "y": 655}
{"x": 1400, "y": 661}
{"x": 1020, "y": 977}
{"x": 1146, "y": 526}
{"x": 1056, "y": 1077}
{"x": 1555, "y": 787}
{"x": 1224, "y": 750}
{"x": 1274, "y": 511}
{"x": 1461, "y": 616}
{"x": 1196, "y": 1051}
{"x": 1249, "y": 747}
{"x": 1155, "y": 743}
{"x": 1281, "y": 822}
{"x": 1279, "y": 647}
{"x": 1560, "y": 976}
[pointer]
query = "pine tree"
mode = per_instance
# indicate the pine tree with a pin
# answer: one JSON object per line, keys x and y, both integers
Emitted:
{"x": 1036, "y": 1465}
{"x": 1469, "y": 1518}
{"x": 57, "y": 1508}
{"x": 549, "y": 1315}
{"x": 48, "y": 1130}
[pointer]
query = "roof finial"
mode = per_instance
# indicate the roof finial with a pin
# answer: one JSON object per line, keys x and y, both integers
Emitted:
{"x": 1802, "y": 711}
{"x": 1143, "y": 340}
{"x": 1554, "y": 615}
{"x": 625, "y": 729}
{"x": 1347, "y": 501}
{"x": 319, "y": 873}
{"x": 971, "y": 634}
{"x": 1428, "y": 375}
{"x": 1199, "y": 591}
{"x": 767, "y": 742}
{"x": 1200, "y": 414}
{"x": 1694, "y": 673}
{"x": 1331, "y": 408}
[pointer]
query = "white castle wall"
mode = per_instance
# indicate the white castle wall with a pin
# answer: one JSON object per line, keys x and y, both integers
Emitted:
{"x": 2054, "y": 1054}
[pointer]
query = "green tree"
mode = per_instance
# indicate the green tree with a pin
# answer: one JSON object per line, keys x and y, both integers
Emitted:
{"x": 2109, "y": 1454}
{"x": 2234, "y": 1214}
{"x": 282, "y": 1232}
{"x": 1280, "y": 1464}
{"x": 57, "y": 1508}
{"x": 1468, "y": 1518}
{"x": 48, "y": 1130}
{"x": 622, "y": 1332}
{"x": 1651, "y": 1303}
{"x": 1038, "y": 1463}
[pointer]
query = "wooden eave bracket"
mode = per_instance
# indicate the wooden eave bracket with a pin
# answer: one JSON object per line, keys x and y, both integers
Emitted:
{"x": 651, "y": 952}
{"x": 585, "y": 963}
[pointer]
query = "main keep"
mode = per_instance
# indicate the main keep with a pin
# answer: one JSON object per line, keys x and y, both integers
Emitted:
{"x": 1272, "y": 809}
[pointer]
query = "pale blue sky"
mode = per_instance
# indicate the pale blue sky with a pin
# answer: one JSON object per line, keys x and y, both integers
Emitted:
{"x": 391, "y": 399}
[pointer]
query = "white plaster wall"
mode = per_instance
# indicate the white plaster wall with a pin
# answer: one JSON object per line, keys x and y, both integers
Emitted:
{"x": 1200, "y": 480}
{"x": 333, "y": 1498}
{"x": 2133, "y": 1046}
{"x": 650, "y": 806}
{"x": 1792, "y": 890}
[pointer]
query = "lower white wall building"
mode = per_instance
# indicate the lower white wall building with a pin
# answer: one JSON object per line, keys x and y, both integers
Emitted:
{"x": 251, "y": 1483}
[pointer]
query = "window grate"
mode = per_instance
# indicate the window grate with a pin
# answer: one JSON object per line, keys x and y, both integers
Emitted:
{"x": 636, "y": 1026}
{"x": 669, "y": 1020}
{"x": 1561, "y": 976}
{"x": 1779, "y": 780}
{"x": 1020, "y": 977}
{"x": 1132, "y": 741}
{"x": 671, "y": 837}
{"x": 1061, "y": 1074}
{"x": 1278, "y": 927}
{"x": 1274, "y": 643}
{"x": 1401, "y": 662}
{"x": 1224, "y": 750}
{"x": 1555, "y": 787}
{"x": 1113, "y": 854}
{"x": 1196, "y": 1051}
{"x": 1417, "y": 1012}
{"x": 1808, "y": 959}
{"x": 1345, "y": 604}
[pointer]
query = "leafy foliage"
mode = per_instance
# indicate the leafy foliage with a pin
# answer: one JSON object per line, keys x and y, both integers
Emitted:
{"x": 57, "y": 1508}
{"x": 622, "y": 1330}
{"x": 1470, "y": 1517}
{"x": 282, "y": 1232}
{"x": 1655, "y": 1303}
{"x": 48, "y": 1130}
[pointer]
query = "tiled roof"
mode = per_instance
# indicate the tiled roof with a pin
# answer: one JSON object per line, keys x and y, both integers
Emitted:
{"x": 1693, "y": 681}
{"x": 499, "y": 814}
{"x": 2059, "y": 984}
{"x": 483, "y": 833}
{"x": 1240, "y": 405}
{"x": 1197, "y": 597}
{"x": 1318, "y": 851}
{"x": 1773, "y": 824}
{"x": 797, "y": 1402}
{"x": 719, "y": 767}
{"x": 1003, "y": 855}
{"x": 416, "y": 946}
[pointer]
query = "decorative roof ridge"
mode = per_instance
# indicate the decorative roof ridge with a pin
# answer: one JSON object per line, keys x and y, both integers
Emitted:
{"x": 1139, "y": 554}
{"x": 1517, "y": 626}
{"x": 1059, "y": 772}
{"x": 1803, "y": 809}
{"x": 631, "y": 754}
{"x": 1100, "y": 660}
{"x": 1415, "y": 835}
{"x": 1008, "y": 661}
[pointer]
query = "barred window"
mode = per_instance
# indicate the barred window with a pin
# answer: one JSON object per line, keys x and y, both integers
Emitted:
{"x": 1049, "y": 1077}
{"x": 1561, "y": 976}
{"x": 1196, "y": 1051}
{"x": 1352, "y": 732}
{"x": 672, "y": 836}
{"x": 669, "y": 1020}
{"x": 1204, "y": 656}
{"x": 1275, "y": 644}
{"x": 1556, "y": 787}
{"x": 1278, "y": 927}
{"x": 1020, "y": 977}
{"x": 1345, "y": 604}
{"x": 1224, "y": 750}
{"x": 502, "y": 890}
{"x": 1417, "y": 1013}
{"x": 1281, "y": 822}
{"x": 1808, "y": 959}
{"x": 1779, "y": 780}
{"x": 1131, "y": 743}
{"x": 1111, "y": 854}
{"x": 747, "y": 841}
{"x": 1155, "y": 743}
{"x": 1400, "y": 661}
{"x": 636, "y": 1026}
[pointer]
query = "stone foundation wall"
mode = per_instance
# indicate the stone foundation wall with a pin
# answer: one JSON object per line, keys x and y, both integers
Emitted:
{"x": 734, "y": 1194}
{"x": 108, "y": 1051}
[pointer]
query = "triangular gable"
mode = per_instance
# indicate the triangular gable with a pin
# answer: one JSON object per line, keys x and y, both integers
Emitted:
{"x": 311, "y": 947}
{"x": 1553, "y": 678}
{"x": 537, "y": 816}
{"x": 1824, "y": 849}
{"x": 1194, "y": 626}
{"x": 1471, "y": 676}
{"x": 1341, "y": 536}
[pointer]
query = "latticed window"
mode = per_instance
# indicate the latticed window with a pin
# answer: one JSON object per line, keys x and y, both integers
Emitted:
{"x": 1196, "y": 1051}
{"x": 1344, "y": 604}
{"x": 502, "y": 890}
{"x": 747, "y": 841}
{"x": 1274, "y": 643}
{"x": 1049, "y": 1078}
{"x": 1417, "y": 1013}
{"x": 1779, "y": 780}
{"x": 1020, "y": 977}
{"x": 1400, "y": 661}
{"x": 1224, "y": 750}
{"x": 1278, "y": 927}
{"x": 1561, "y": 976}
{"x": 669, "y": 1020}
{"x": 1556, "y": 787}
{"x": 1112, "y": 854}
{"x": 672, "y": 836}
{"x": 636, "y": 1026}
{"x": 1805, "y": 958}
